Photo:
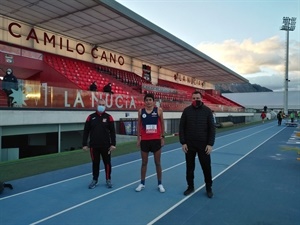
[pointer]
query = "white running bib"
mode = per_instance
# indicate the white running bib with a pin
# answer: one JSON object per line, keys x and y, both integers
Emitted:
{"x": 151, "y": 128}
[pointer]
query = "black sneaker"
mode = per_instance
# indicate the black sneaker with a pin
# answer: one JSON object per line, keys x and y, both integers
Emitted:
{"x": 189, "y": 190}
{"x": 93, "y": 184}
{"x": 209, "y": 193}
{"x": 108, "y": 184}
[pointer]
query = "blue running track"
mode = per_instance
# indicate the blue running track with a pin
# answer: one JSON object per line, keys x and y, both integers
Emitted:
{"x": 255, "y": 183}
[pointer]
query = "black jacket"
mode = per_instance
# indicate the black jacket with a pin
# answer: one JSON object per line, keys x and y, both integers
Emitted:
{"x": 9, "y": 82}
{"x": 107, "y": 88}
{"x": 197, "y": 126}
{"x": 93, "y": 87}
{"x": 101, "y": 130}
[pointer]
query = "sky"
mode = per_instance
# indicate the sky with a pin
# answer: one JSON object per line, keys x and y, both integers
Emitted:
{"x": 243, "y": 35}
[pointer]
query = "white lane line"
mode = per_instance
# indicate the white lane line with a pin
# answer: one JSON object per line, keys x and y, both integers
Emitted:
{"x": 219, "y": 174}
{"x": 237, "y": 140}
{"x": 246, "y": 130}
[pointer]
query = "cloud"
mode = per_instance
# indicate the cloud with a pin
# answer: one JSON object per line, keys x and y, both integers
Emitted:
{"x": 262, "y": 63}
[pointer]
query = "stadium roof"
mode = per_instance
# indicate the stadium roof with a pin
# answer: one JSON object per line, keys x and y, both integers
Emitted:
{"x": 108, "y": 24}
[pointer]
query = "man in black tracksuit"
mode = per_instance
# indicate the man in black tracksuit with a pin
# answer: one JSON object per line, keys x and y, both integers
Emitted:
{"x": 99, "y": 128}
{"x": 197, "y": 136}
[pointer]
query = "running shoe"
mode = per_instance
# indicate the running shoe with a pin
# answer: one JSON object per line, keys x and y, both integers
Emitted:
{"x": 189, "y": 190}
{"x": 93, "y": 184}
{"x": 161, "y": 188}
{"x": 209, "y": 192}
{"x": 108, "y": 184}
{"x": 140, "y": 187}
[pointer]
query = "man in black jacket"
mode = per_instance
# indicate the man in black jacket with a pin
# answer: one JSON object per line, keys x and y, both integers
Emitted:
{"x": 93, "y": 86}
{"x": 9, "y": 83}
{"x": 100, "y": 129}
{"x": 197, "y": 136}
{"x": 107, "y": 88}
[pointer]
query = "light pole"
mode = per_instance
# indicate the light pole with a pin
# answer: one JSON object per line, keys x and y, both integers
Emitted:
{"x": 288, "y": 24}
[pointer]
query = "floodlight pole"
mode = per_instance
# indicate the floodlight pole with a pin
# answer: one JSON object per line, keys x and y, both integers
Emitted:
{"x": 289, "y": 24}
{"x": 286, "y": 78}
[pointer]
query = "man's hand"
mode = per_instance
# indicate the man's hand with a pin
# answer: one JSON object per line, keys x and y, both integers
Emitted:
{"x": 111, "y": 148}
{"x": 185, "y": 148}
{"x": 162, "y": 142}
{"x": 85, "y": 148}
{"x": 208, "y": 149}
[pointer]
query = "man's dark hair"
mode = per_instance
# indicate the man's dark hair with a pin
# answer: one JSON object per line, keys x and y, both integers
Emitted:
{"x": 149, "y": 95}
{"x": 197, "y": 92}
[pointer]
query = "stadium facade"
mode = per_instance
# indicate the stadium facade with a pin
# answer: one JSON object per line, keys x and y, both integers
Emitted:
{"x": 57, "y": 53}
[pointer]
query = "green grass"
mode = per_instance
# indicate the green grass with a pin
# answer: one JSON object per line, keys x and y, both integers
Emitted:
{"x": 16, "y": 169}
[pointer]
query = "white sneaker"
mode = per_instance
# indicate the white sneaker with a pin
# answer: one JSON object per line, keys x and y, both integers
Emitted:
{"x": 161, "y": 188}
{"x": 140, "y": 187}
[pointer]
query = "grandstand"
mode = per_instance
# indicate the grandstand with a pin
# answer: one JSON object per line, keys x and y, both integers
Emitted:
{"x": 78, "y": 75}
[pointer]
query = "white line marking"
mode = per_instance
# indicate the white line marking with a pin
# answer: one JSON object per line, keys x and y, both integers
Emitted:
{"x": 242, "y": 138}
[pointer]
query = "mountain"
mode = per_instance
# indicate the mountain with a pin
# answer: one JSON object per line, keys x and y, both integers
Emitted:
{"x": 241, "y": 88}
